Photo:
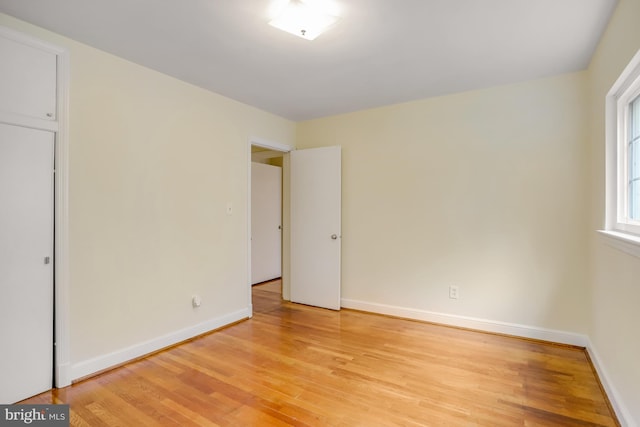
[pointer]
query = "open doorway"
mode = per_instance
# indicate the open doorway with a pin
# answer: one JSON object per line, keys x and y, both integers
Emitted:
{"x": 268, "y": 262}
{"x": 266, "y": 215}
{"x": 311, "y": 224}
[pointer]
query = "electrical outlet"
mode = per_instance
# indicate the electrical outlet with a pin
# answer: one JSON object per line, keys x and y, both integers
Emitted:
{"x": 196, "y": 301}
{"x": 453, "y": 292}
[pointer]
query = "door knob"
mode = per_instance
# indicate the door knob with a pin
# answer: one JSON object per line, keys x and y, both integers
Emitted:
{"x": 334, "y": 237}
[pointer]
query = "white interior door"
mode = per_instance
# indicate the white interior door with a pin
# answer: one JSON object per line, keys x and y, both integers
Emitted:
{"x": 26, "y": 262}
{"x": 316, "y": 193}
{"x": 266, "y": 222}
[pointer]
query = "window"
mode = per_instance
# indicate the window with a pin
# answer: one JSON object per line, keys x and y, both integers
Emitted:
{"x": 633, "y": 154}
{"x": 623, "y": 156}
{"x": 628, "y": 156}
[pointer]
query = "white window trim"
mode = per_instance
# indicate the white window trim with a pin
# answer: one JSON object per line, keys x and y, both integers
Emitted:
{"x": 621, "y": 233}
{"x": 624, "y": 242}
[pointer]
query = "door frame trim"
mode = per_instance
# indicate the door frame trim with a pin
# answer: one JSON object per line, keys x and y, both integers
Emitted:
{"x": 62, "y": 372}
{"x": 284, "y": 149}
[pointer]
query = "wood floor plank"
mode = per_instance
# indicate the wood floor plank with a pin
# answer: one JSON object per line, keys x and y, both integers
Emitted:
{"x": 294, "y": 365}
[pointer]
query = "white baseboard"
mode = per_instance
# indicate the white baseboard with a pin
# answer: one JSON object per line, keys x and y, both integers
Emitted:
{"x": 471, "y": 323}
{"x": 620, "y": 409}
{"x": 100, "y": 363}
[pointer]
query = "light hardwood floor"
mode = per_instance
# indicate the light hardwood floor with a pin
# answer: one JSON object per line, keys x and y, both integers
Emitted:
{"x": 293, "y": 365}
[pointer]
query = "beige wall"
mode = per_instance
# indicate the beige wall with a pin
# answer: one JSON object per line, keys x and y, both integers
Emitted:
{"x": 484, "y": 190}
{"x": 615, "y": 310}
{"x": 153, "y": 163}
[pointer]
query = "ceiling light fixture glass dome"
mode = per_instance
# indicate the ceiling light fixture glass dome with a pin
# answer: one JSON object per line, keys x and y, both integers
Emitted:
{"x": 305, "y": 18}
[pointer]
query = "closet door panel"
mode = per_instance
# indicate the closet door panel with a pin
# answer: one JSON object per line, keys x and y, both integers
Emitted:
{"x": 26, "y": 262}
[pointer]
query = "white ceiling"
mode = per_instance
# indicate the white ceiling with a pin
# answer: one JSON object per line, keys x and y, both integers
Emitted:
{"x": 381, "y": 52}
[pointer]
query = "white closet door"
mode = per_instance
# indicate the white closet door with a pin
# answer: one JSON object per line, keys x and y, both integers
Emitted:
{"x": 27, "y": 80}
{"x": 26, "y": 262}
{"x": 266, "y": 220}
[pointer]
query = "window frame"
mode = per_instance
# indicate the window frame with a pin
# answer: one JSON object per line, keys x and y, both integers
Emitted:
{"x": 623, "y": 232}
{"x": 623, "y": 221}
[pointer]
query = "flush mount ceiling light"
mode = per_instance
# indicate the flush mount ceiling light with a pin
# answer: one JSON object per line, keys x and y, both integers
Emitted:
{"x": 305, "y": 18}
